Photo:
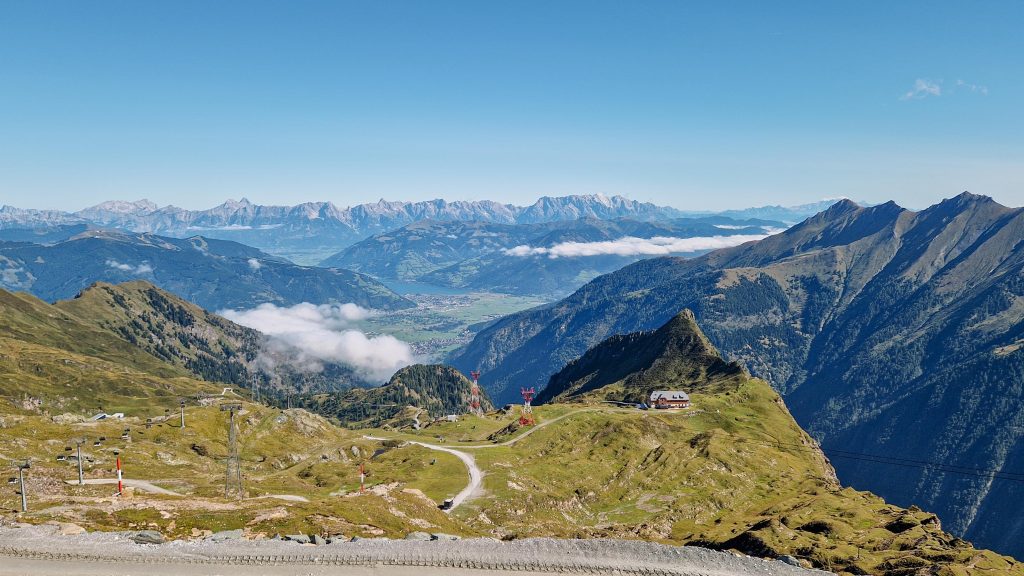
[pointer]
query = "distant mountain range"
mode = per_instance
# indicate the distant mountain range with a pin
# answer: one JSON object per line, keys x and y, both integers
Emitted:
{"x": 897, "y": 338}
{"x": 321, "y": 227}
{"x": 518, "y": 258}
{"x": 215, "y": 274}
{"x": 310, "y": 231}
{"x": 788, "y": 214}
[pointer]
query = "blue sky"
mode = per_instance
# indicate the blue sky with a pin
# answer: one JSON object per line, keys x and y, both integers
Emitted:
{"x": 698, "y": 105}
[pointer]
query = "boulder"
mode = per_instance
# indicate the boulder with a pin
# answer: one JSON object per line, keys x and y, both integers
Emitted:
{"x": 148, "y": 537}
{"x": 791, "y": 560}
{"x": 300, "y": 538}
{"x": 318, "y": 540}
{"x": 419, "y": 536}
{"x": 446, "y": 537}
{"x": 225, "y": 535}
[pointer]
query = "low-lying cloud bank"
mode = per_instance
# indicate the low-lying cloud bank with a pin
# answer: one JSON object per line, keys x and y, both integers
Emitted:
{"x": 632, "y": 246}
{"x": 307, "y": 336}
{"x": 144, "y": 268}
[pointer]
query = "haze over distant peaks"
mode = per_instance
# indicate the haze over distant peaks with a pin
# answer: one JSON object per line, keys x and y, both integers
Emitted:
{"x": 323, "y": 227}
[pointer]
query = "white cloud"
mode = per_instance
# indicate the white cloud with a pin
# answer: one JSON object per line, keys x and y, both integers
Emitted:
{"x": 307, "y": 337}
{"x": 255, "y": 264}
{"x": 975, "y": 88}
{"x": 923, "y": 89}
{"x": 631, "y": 246}
{"x": 141, "y": 269}
{"x": 9, "y": 276}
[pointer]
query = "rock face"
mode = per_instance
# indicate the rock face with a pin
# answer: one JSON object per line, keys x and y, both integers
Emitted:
{"x": 890, "y": 332}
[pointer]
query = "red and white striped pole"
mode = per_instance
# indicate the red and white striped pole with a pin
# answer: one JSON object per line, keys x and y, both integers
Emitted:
{"x": 120, "y": 485}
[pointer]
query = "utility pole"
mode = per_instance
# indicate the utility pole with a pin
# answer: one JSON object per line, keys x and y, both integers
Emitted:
{"x": 181, "y": 404}
{"x": 21, "y": 484}
{"x": 78, "y": 444}
{"x": 233, "y": 475}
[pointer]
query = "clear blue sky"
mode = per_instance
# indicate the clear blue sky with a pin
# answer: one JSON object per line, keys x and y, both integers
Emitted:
{"x": 697, "y": 105}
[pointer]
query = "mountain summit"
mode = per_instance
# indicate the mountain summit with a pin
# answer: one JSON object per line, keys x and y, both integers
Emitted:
{"x": 628, "y": 368}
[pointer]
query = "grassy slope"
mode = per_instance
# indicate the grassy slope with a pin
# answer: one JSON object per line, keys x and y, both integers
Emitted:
{"x": 54, "y": 362}
{"x": 733, "y": 472}
{"x": 282, "y": 452}
{"x": 169, "y": 327}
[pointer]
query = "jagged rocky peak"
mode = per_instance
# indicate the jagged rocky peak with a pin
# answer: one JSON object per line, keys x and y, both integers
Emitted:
{"x": 627, "y": 368}
{"x": 143, "y": 206}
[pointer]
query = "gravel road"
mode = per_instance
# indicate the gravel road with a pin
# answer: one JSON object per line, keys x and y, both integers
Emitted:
{"x": 131, "y": 483}
{"x": 39, "y": 550}
{"x": 476, "y": 476}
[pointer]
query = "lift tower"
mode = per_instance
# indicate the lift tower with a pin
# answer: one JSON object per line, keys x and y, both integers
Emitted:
{"x": 474, "y": 394}
{"x": 526, "y": 419}
{"x": 233, "y": 476}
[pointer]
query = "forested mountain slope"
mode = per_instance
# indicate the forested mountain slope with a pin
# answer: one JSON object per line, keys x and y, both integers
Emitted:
{"x": 434, "y": 389}
{"x": 890, "y": 332}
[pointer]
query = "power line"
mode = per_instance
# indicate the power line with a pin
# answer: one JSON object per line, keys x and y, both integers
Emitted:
{"x": 905, "y": 462}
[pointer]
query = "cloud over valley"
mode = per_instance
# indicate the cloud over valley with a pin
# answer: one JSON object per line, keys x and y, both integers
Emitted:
{"x": 632, "y": 246}
{"x": 307, "y": 336}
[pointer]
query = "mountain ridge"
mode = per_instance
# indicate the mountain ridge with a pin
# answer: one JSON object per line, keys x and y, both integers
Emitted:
{"x": 854, "y": 315}
{"x": 314, "y": 229}
{"x": 435, "y": 389}
{"x": 215, "y": 274}
{"x": 628, "y": 367}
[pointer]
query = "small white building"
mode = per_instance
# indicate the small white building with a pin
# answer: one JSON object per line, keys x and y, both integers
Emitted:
{"x": 670, "y": 399}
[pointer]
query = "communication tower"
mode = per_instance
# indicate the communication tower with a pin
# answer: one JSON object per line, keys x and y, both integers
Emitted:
{"x": 233, "y": 476}
{"x": 474, "y": 394}
{"x": 526, "y": 419}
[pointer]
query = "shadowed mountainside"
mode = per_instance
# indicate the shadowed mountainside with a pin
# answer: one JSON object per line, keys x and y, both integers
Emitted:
{"x": 890, "y": 332}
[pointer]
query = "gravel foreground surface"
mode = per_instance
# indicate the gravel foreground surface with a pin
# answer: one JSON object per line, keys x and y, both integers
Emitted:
{"x": 42, "y": 550}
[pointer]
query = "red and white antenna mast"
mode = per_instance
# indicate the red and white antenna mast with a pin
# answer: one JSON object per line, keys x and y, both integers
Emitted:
{"x": 474, "y": 394}
{"x": 527, "y": 417}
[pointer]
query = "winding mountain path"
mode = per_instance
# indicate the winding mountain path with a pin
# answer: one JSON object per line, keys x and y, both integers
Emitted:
{"x": 476, "y": 475}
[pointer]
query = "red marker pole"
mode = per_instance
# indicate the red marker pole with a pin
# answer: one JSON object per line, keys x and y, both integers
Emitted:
{"x": 120, "y": 485}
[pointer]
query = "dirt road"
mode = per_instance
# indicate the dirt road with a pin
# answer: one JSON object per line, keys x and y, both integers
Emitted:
{"x": 476, "y": 475}
{"x": 131, "y": 483}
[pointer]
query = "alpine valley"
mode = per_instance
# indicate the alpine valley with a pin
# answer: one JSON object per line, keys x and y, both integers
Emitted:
{"x": 852, "y": 383}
